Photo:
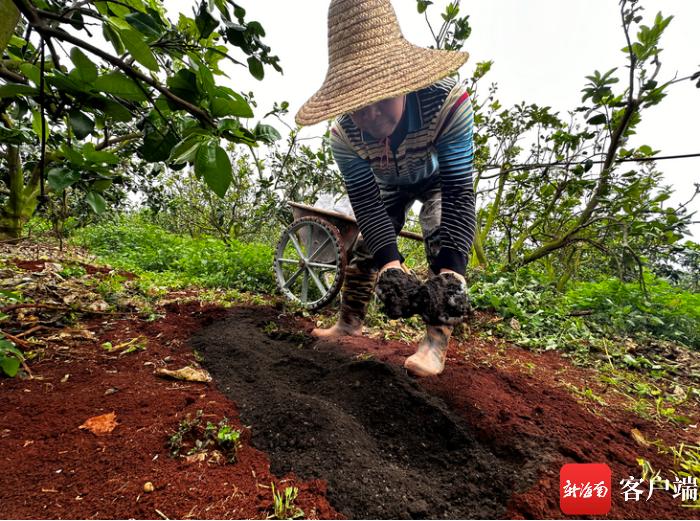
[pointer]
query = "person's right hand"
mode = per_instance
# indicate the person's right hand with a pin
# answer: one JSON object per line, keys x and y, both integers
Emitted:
{"x": 397, "y": 291}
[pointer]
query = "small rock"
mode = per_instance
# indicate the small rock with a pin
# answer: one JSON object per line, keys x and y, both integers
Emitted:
{"x": 418, "y": 509}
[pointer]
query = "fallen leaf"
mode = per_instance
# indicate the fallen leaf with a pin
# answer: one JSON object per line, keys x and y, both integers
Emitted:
{"x": 186, "y": 373}
{"x": 99, "y": 425}
{"x": 196, "y": 458}
{"x": 639, "y": 438}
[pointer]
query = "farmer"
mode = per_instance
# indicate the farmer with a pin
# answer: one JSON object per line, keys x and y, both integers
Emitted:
{"x": 402, "y": 133}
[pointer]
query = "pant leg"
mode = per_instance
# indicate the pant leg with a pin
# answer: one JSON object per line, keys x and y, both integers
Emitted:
{"x": 430, "y": 216}
{"x": 360, "y": 272}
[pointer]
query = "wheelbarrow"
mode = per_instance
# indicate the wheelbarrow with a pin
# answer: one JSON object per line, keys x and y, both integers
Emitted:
{"x": 312, "y": 253}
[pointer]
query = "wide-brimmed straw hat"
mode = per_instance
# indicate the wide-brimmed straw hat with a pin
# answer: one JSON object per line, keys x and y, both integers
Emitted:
{"x": 370, "y": 60}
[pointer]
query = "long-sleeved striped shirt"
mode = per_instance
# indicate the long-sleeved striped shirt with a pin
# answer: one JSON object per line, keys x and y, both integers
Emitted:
{"x": 434, "y": 138}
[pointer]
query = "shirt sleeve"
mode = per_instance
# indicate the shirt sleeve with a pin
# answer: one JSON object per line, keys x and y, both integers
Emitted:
{"x": 372, "y": 218}
{"x": 455, "y": 150}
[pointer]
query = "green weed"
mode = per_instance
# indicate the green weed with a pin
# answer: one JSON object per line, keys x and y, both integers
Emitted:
{"x": 284, "y": 507}
{"x": 192, "y": 438}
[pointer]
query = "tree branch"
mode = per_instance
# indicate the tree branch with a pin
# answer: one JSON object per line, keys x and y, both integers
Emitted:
{"x": 32, "y": 16}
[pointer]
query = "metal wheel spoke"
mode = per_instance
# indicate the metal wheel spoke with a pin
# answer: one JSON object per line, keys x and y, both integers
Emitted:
{"x": 322, "y": 266}
{"x": 325, "y": 243}
{"x": 296, "y": 245}
{"x": 288, "y": 261}
{"x": 293, "y": 278}
{"x": 305, "y": 286}
{"x": 309, "y": 238}
{"x": 320, "y": 285}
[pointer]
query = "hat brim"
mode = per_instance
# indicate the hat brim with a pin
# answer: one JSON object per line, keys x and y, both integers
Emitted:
{"x": 402, "y": 69}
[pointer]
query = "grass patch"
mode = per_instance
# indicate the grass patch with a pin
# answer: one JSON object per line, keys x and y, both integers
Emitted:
{"x": 163, "y": 259}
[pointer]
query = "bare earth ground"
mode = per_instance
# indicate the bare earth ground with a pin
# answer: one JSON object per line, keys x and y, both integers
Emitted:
{"x": 341, "y": 420}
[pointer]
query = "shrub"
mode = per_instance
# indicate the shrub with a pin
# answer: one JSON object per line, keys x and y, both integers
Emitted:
{"x": 622, "y": 308}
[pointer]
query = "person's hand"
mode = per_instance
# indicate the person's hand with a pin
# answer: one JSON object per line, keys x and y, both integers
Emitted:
{"x": 397, "y": 290}
{"x": 443, "y": 299}
{"x": 454, "y": 274}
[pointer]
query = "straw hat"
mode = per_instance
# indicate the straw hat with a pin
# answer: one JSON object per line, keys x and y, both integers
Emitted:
{"x": 369, "y": 60}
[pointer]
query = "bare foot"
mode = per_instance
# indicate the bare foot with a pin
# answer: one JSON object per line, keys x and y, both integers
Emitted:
{"x": 338, "y": 330}
{"x": 429, "y": 358}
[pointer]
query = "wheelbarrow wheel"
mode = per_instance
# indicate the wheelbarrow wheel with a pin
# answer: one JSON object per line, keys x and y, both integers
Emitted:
{"x": 310, "y": 262}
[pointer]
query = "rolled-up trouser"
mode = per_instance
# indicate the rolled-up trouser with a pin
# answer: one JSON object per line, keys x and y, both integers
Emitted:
{"x": 361, "y": 273}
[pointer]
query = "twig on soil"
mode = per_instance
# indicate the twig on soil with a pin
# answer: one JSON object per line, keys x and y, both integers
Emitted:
{"x": 14, "y": 339}
{"x": 67, "y": 308}
{"x": 23, "y": 343}
{"x": 161, "y": 514}
{"x": 34, "y": 329}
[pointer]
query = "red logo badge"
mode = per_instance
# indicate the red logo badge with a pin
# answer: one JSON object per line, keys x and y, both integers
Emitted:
{"x": 584, "y": 489}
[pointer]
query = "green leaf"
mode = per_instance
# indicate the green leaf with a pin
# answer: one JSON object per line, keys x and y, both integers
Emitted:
{"x": 96, "y": 202}
{"x": 157, "y": 146}
{"x": 117, "y": 111}
{"x": 101, "y": 185}
{"x": 231, "y": 106}
{"x": 31, "y": 72}
{"x": 598, "y": 119}
{"x": 117, "y": 8}
{"x": 206, "y": 23}
{"x": 113, "y": 37}
{"x": 151, "y": 27}
{"x": 8, "y": 22}
{"x": 82, "y": 125}
{"x": 13, "y": 90}
{"x": 119, "y": 84}
{"x": 266, "y": 133}
{"x": 75, "y": 157}
{"x": 99, "y": 157}
{"x": 227, "y": 124}
{"x": 185, "y": 150}
{"x": 10, "y": 365}
{"x": 69, "y": 83}
{"x": 184, "y": 85}
{"x": 61, "y": 178}
{"x": 206, "y": 78}
{"x": 15, "y": 136}
{"x": 85, "y": 68}
{"x": 423, "y": 5}
{"x": 36, "y": 125}
{"x": 213, "y": 164}
{"x": 256, "y": 68}
{"x": 139, "y": 49}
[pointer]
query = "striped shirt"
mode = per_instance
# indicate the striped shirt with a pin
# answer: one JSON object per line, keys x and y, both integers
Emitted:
{"x": 434, "y": 138}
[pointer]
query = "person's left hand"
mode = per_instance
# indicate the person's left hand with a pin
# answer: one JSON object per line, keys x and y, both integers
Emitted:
{"x": 443, "y": 299}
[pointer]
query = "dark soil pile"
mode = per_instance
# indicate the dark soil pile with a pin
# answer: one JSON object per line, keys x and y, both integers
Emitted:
{"x": 484, "y": 439}
{"x": 387, "y": 448}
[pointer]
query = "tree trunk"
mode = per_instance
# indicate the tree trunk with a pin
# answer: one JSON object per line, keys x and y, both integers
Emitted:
{"x": 22, "y": 200}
